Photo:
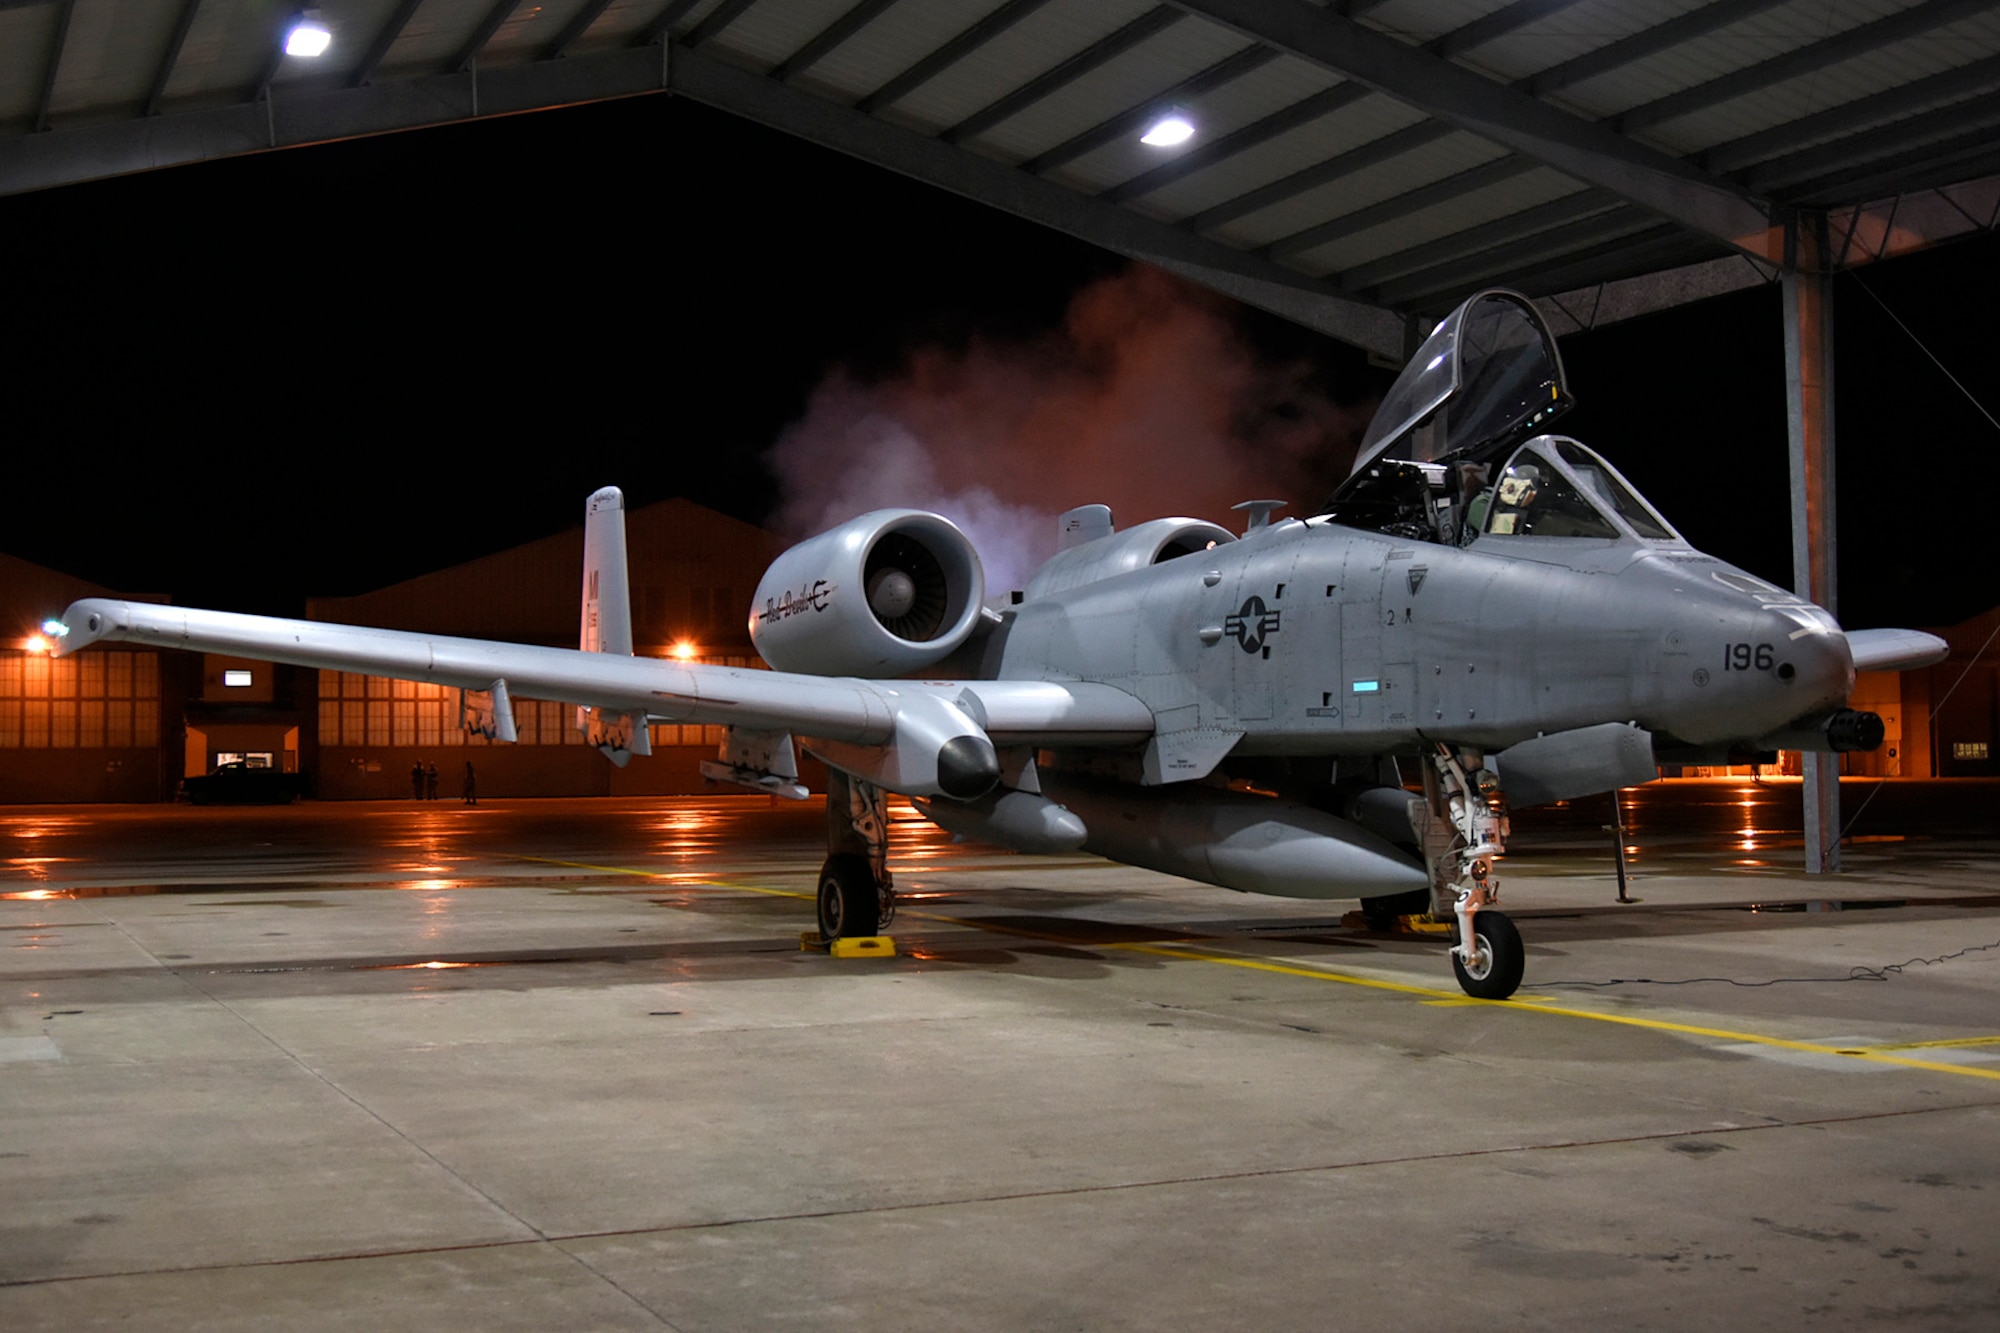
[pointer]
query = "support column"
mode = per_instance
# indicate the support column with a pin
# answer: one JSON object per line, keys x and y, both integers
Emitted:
{"x": 1808, "y": 294}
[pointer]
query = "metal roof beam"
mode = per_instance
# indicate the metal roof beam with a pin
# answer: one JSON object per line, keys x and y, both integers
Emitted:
{"x": 953, "y": 51}
{"x": 56, "y": 43}
{"x": 1389, "y": 210}
{"x": 1665, "y": 246}
{"x": 668, "y": 17}
{"x": 90, "y": 152}
{"x": 1493, "y": 26}
{"x": 1375, "y": 151}
{"x": 1584, "y": 150}
{"x": 1245, "y": 277}
{"x": 1636, "y": 47}
{"x": 170, "y": 57}
{"x": 577, "y": 26}
{"x": 1600, "y": 303}
{"x": 1301, "y": 112}
{"x": 1890, "y": 104}
{"x": 1644, "y": 44}
{"x": 1913, "y": 22}
{"x": 1897, "y": 140}
{"x": 1474, "y": 34}
{"x": 716, "y": 20}
{"x": 1226, "y": 70}
{"x": 1157, "y": 19}
{"x": 384, "y": 39}
{"x": 1476, "y": 270}
{"x": 1963, "y": 158}
{"x": 481, "y": 35}
{"x": 818, "y": 47}
{"x": 1528, "y": 222}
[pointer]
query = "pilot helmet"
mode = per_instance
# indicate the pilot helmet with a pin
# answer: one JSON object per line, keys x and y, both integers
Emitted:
{"x": 1518, "y": 486}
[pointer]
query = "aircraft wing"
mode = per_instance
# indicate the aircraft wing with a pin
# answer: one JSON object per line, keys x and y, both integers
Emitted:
{"x": 1895, "y": 649}
{"x": 845, "y": 709}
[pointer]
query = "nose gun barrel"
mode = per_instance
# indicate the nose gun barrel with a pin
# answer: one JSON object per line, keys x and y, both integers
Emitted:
{"x": 1840, "y": 732}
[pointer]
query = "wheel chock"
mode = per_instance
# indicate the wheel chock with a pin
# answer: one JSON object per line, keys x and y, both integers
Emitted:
{"x": 855, "y": 946}
{"x": 1403, "y": 925}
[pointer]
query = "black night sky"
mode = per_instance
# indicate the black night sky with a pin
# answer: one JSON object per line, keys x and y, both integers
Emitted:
{"x": 319, "y": 371}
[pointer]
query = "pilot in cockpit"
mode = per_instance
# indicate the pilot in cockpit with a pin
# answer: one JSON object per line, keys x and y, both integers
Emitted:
{"x": 1515, "y": 495}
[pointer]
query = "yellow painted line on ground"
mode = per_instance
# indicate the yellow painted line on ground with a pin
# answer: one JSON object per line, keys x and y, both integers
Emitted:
{"x": 1431, "y": 995}
{"x": 1930, "y": 1045}
{"x": 706, "y": 881}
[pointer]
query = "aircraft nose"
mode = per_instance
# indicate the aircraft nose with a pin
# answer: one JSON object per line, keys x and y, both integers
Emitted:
{"x": 1813, "y": 663}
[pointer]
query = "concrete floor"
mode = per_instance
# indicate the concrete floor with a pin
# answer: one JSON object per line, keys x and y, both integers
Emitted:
{"x": 562, "y": 1065}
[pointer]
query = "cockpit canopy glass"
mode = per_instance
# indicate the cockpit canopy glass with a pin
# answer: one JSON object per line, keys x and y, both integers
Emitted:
{"x": 1583, "y": 497}
{"x": 1487, "y": 376}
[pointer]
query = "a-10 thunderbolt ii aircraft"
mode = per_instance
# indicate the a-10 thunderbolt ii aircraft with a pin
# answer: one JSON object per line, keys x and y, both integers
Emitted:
{"x": 1483, "y": 610}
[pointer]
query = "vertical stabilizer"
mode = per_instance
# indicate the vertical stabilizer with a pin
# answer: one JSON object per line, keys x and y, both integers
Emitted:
{"x": 607, "y": 621}
{"x": 607, "y": 596}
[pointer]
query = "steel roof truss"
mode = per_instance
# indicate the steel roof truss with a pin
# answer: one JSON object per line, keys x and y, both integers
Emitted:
{"x": 1644, "y": 44}
{"x": 1584, "y": 150}
{"x": 716, "y": 20}
{"x": 1105, "y": 49}
{"x": 482, "y": 34}
{"x": 953, "y": 51}
{"x": 1393, "y": 144}
{"x": 56, "y": 43}
{"x": 1892, "y": 140}
{"x": 1246, "y": 277}
{"x": 1472, "y": 240}
{"x": 1913, "y": 22}
{"x": 1444, "y": 191}
{"x": 1301, "y": 112}
{"x": 577, "y": 26}
{"x": 170, "y": 57}
{"x": 1890, "y": 104}
{"x": 384, "y": 39}
{"x": 829, "y": 38}
{"x": 1474, "y": 34}
{"x": 1223, "y": 71}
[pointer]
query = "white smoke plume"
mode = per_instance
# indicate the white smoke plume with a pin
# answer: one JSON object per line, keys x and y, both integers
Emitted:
{"x": 1146, "y": 399}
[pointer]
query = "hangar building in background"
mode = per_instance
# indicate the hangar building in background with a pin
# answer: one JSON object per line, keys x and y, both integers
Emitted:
{"x": 121, "y": 725}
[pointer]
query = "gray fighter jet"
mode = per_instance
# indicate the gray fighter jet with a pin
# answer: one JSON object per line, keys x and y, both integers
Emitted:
{"x": 1336, "y": 707}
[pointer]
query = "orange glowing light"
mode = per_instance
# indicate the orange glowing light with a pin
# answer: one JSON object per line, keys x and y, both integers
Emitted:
{"x": 684, "y": 651}
{"x": 36, "y": 643}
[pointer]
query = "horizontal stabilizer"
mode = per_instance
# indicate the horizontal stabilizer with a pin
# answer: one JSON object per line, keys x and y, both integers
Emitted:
{"x": 1895, "y": 649}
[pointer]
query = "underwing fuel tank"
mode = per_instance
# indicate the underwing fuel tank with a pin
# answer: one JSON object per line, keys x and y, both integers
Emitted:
{"x": 1254, "y": 844}
{"x": 1018, "y": 820}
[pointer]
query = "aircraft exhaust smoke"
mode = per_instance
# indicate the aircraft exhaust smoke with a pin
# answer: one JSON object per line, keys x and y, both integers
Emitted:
{"x": 1147, "y": 398}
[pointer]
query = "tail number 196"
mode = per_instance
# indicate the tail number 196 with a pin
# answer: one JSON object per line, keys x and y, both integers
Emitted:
{"x": 1748, "y": 656}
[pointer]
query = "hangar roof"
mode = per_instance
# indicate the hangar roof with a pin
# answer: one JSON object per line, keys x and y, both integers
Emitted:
{"x": 1357, "y": 164}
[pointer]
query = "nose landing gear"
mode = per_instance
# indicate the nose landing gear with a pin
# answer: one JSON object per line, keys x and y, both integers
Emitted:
{"x": 1487, "y": 959}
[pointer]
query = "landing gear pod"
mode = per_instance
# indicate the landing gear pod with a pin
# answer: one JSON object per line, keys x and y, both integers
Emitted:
{"x": 887, "y": 593}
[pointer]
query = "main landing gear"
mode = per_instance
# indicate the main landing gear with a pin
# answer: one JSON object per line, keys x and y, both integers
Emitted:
{"x": 857, "y": 898}
{"x": 1468, "y": 833}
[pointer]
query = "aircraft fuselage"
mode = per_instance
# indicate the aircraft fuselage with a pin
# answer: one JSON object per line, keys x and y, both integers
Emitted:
{"x": 1309, "y": 638}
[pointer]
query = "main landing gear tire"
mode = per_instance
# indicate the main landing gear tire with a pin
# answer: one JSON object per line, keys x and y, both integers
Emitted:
{"x": 1497, "y": 974}
{"x": 850, "y": 902}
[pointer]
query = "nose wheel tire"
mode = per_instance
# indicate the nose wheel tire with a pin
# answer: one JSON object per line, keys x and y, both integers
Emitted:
{"x": 850, "y": 901}
{"x": 1495, "y": 971}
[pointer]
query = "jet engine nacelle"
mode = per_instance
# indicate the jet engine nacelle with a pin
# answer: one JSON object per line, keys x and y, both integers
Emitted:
{"x": 881, "y": 595}
{"x": 1123, "y": 552}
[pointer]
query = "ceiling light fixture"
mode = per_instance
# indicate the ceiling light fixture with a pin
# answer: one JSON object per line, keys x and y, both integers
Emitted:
{"x": 1170, "y": 130}
{"x": 308, "y": 37}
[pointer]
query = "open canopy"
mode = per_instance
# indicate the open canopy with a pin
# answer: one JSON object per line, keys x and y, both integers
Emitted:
{"x": 1487, "y": 377}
